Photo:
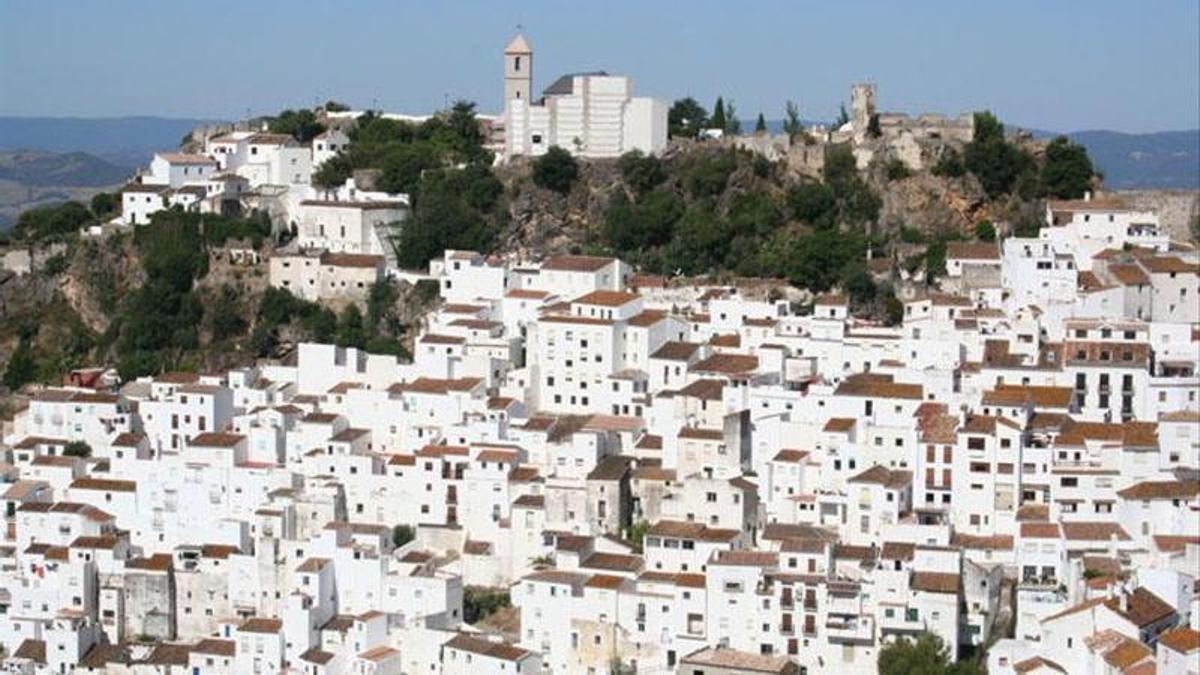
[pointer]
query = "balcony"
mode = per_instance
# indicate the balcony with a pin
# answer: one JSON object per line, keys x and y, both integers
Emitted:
{"x": 856, "y": 628}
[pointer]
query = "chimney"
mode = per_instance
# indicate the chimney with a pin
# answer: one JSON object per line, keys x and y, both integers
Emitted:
{"x": 1124, "y": 600}
{"x": 1087, "y": 196}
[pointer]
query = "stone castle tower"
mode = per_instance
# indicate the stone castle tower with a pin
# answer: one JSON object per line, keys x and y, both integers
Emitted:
{"x": 862, "y": 105}
{"x": 518, "y": 70}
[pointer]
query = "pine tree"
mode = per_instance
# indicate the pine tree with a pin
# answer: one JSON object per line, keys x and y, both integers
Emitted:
{"x": 733, "y": 125}
{"x": 718, "y": 116}
{"x": 760, "y": 127}
{"x": 791, "y": 123}
{"x": 21, "y": 367}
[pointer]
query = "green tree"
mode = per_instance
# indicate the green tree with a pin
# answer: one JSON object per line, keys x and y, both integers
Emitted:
{"x": 717, "y": 121}
{"x": 380, "y": 300}
{"x": 402, "y": 166}
{"x": 985, "y": 231}
{"x": 935, "y": 261}
{"x": 333, "y": 172}
{"x": 708, "y": 176}
{"x": 299, "y": 124}
{"x": 480, "y": 603}
{"x": 949, "y": 164}
{"x": 227, "y": 320}
{"x": 105, "y": 204}
{"x": 54, "y": 222}
{"x": 641, "y": 172}
{"x": 633, "y": 227}
{"x": 733, "y": 125}
{"x": 686, "y": 118}
{"x": 402, "y": 534}
{"x": 556, "y": 170}
{"x": 813, "y": 203}
{"x": 994, "y": 161}
{"x": 896, "y": 169}
{"x": 843, "y": 117}
{"x": 335, "y": 106}
{"x": 21, "y": 367}
{"x": 792, "y": 126}
{"x": 926, "y": 655}
{"x": 636, "y": 534}
{"x": 466, "y": 133}
{"x": 320, "y": 325}
{"x": 350, "y": 329}
{"x": 453, "y": 210}
{"x": 873, "y": 129}
{"x": 1067, "y": 172}
{"x": 77, "y": 449}
{"x": 760, "y": 125}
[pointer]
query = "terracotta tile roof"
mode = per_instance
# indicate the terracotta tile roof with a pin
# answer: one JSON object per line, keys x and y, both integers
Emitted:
{"x": 496, "y": 650}
{"x": 1144, "y": 608}
{"x": 216, "y": 440}
{"x": 790, "y": 456}
{"x": 897, "y": 550}
{"x": 647, "y": 318}
{"x": 1174, "y": 543}
{"x": 746, "y": 558}
{"x": 526, "y": 294}
{"x": 999, "y": 542}
{"x": 1183, "y": 640}
{"x": 706, "y": 389}
{"x": 1154, "y": 490}
{"x": 839, "y": 425}
{"x": 728, "y": 364}
{"x": 649, "y": 442}
{"x": 1040, "y": 531}
{"x": 699, "y": 434}
{"x": 34, "y": 650}
{"x": 612, "y": 562}
{"x": 317, "y": 656}
{"x": 881, "y": 475}
{"x": 964, "y": 250}
{"x": 934, "y": 582}
{"x": 577, "y": 263}
{"x": 735, "y": 661}
{"x": 1086, "y": 531}
{"x": 606, "y": 298}
{"x": 878, "y": 385}
{"x": 1011, "y": 395}
{"x": 351, "y": 260}
{"x": 1169, "y": 265}
{"x": 261, "y": 625}
{"x": 530, "y": 501}
{"x": 684, "y": 530}
{"x": 104, "y": 484}
{"x": 1129, "y": 275}
{"x": 159, "y": 562}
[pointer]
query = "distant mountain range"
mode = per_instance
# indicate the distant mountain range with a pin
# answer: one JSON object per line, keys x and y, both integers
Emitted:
{"x": 1161, "y": 160}
{"x": 125, "y": 141}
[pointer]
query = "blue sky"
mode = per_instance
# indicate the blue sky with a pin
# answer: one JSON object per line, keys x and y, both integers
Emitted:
{"x": 1061, "y": 65}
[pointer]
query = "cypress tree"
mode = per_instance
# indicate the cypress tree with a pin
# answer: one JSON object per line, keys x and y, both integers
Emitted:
{"x": 760, "y": 127}
{"x": 718, "y": 116}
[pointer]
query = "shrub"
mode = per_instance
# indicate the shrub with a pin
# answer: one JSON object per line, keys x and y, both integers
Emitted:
{"x": 556, "y": 170}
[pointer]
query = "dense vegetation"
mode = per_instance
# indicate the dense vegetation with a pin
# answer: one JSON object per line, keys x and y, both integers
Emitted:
{"x": 480, "y": 603}
{"x": 925, "y": 655}
{"x": 685, "y": 217}
{"x": 442, "y": 164}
